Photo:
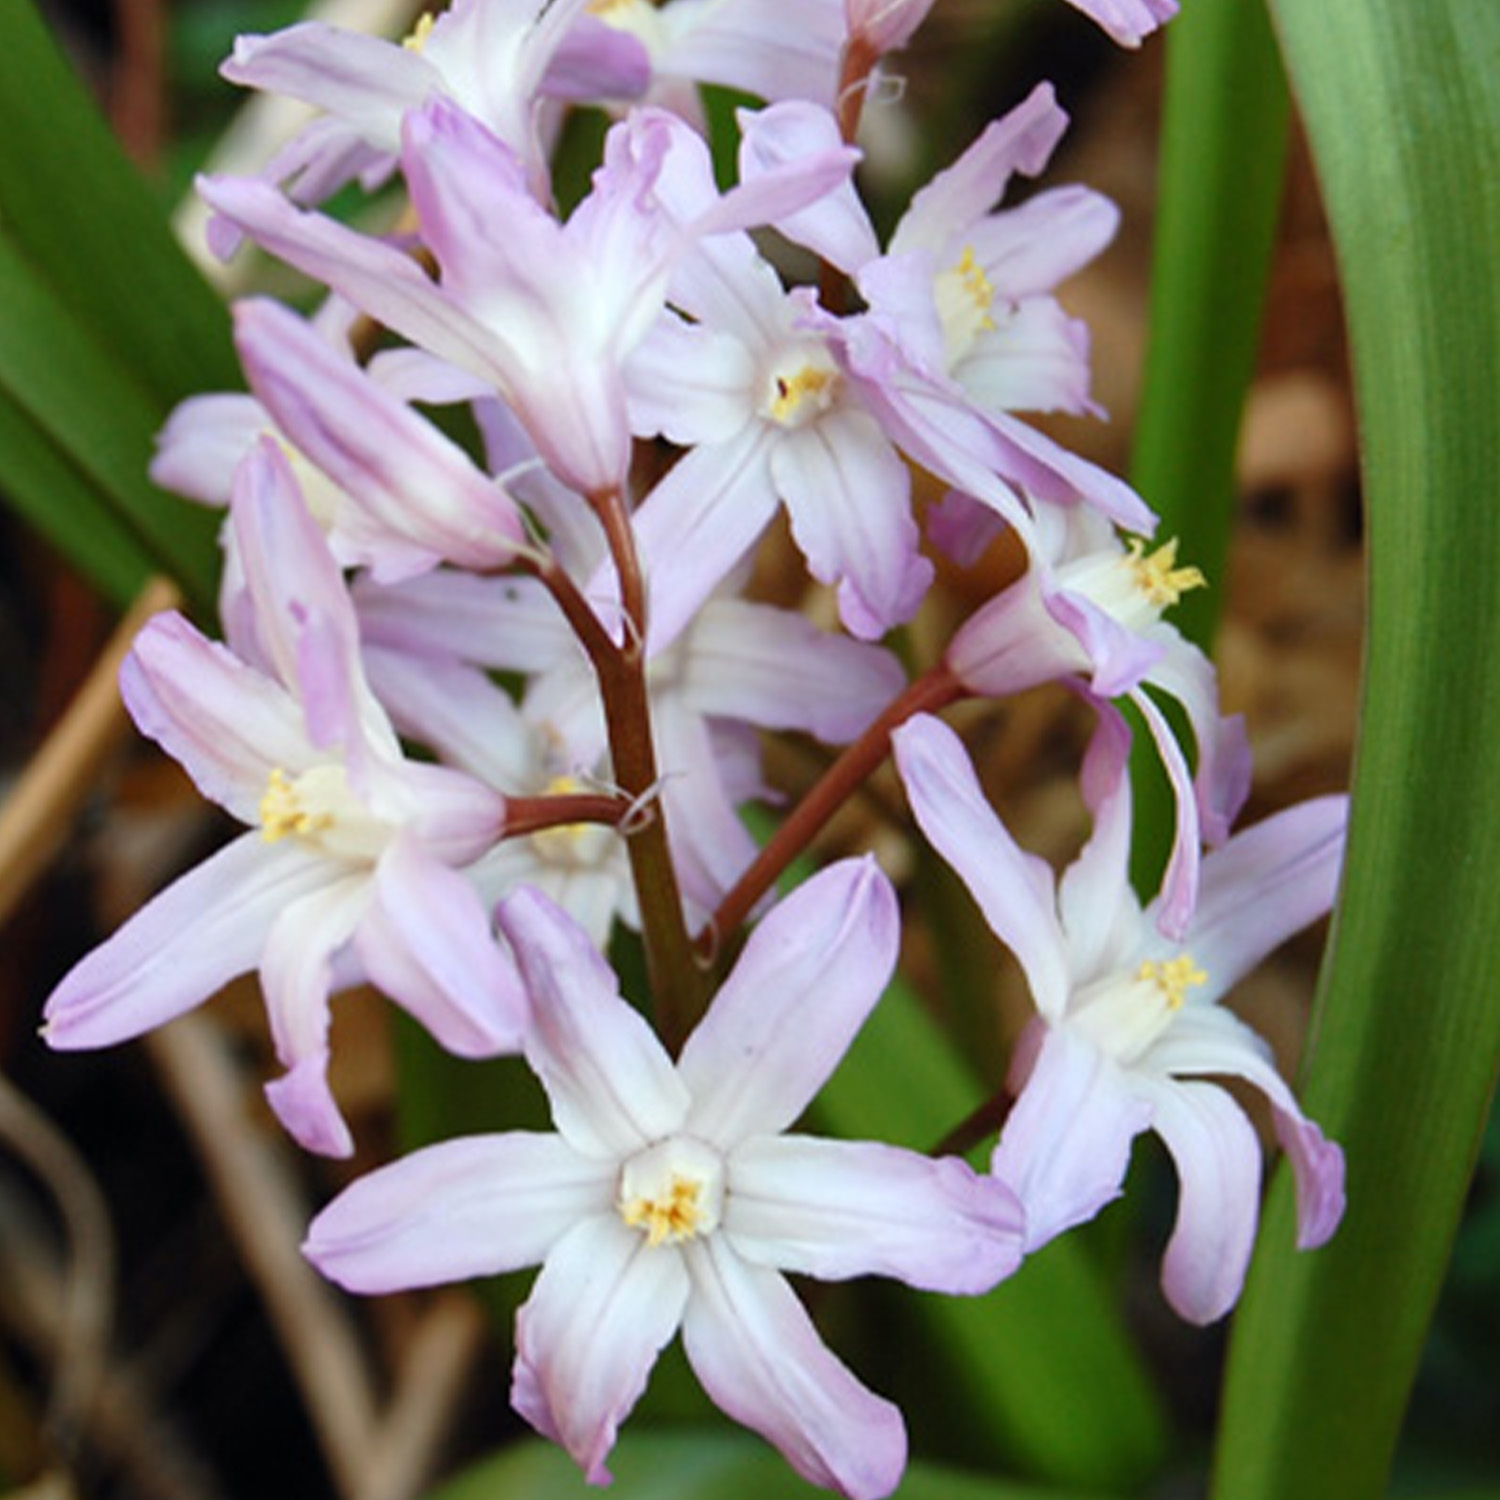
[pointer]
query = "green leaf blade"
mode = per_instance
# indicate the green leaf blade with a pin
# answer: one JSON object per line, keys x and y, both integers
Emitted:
{"x": 1403, "y": 110}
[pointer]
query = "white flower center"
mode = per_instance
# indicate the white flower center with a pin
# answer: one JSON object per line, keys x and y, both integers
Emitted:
{"x": 1123, "y": 1016}
{"x": 800, "y": 387}
{"x": 673, "y": 1191}
{"x": 965, "y": 300}
{"x": 321, "y": 809}
{"x": 1134, "y": 586}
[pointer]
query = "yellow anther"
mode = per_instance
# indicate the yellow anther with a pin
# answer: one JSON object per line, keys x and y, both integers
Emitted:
{"x": 417, "y": 40}
{"x": 979, "y": 288}
{"x": 282, "y": 811}
{"x": 1172, "y": 977}
{"x": 671, "y": 1218}
{"x": 808, "y": 383}
{"x": 1157, "y": 575}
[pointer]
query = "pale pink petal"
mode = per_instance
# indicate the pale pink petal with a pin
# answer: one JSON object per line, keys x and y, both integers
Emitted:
{"x": 1222, "y": 779}
{"x": 612, "y": 1087}
{"x": 1266, "y": 883}
{"x": 1217, "y": 1157}
{"x": 956, "y": 198}
{"x": 1026, "y": 251}
{"x": 698, "y": 522}
{"x": 1015, "y": 890}
{"x": 1208, "y": 1040}
{"x": 836, "y": 226}
{"x": 205, "y": 437}
{"x": 747, "y": 45}
{"x": 759, "y": 1357}
{"x": 458, "y": 711}
{"x": 1066, "y": 1144}
{"x": 466, "y": 1208}
{"x": 414, "y": 498}
{"x": 365, "y": 81}
{"x": 1128, "y": 21}
{"x": 885, "y": 25}
{"x": 808, "y": 977}
{"x": 605, "y": 1305}
{"x": 775, "y": 669}
{"x": 426, "y": 942}
{"x": 297, "y": 972}
{"x": 226, "y": 724}
{"x": 710, "y": 843}
{"x": 203, "y": 930}
{"x": 1173, "y": 908}
{"x": 848, "y": 493}
{"x": 1100, "y": 911}
{"x": 690, "y": 383}
{"x": 1037, "y": 361}
{"x": 837, "y": 1209}
{"x": 508, "y": 623}
{"x": 376, "y": 277}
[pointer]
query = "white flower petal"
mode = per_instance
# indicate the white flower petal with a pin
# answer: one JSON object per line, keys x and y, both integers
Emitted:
{"x": 803, "y": 986}
{"x": 464, "y": 1208}
{"x": 836, "y": 1209}
{"x": 603, "y": 1308}
{"x": 612, "y": 1087}
{"x": 761, "y": 1360}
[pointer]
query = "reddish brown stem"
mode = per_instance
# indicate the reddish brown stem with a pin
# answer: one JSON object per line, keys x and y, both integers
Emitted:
{"x": 524, "y": 815}
{"x": 678, "y": 984}
{"x": 929, "y": 693}
{"x": 984, "y": 1121}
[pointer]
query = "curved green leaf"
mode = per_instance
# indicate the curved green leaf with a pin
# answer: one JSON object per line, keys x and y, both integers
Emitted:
{"x": 1402, "y": 104}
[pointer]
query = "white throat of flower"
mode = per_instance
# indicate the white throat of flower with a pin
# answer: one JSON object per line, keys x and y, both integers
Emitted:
{"x": 320, "y": 809}
{"x": 800, "y": 386}
{"x": 673, "y": 1191}
{"x": 1133, "y": 586}
{"x": 965, "y": 299}
{"x": 1124, "y": 1014}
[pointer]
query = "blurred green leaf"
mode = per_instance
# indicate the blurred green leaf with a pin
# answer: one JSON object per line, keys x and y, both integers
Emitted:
{"x": 48, "y": 491}
{"x": 700, "y": 1465}
{"x": 78, "y": 212}
{"x": 70, "y": 389}
{"x": 1402, "y": 104}
{"x": 104, "y": 325}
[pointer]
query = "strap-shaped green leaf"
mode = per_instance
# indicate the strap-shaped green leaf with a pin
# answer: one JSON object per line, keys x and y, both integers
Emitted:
{"x": 49, "y": 492}
{"x": 76, "y": 209}
{"x": 59, "y": 378}
{"x": 1402, "y": 103}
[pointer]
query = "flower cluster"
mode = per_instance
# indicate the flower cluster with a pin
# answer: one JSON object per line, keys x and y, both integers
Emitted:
{"x": 482, "y": 699}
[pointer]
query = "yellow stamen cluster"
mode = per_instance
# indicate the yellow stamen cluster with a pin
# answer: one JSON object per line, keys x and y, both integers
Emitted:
{"x": 675, "y": 1216}
{"x": 1173, "y": 977}
{"x": 283, "y": 813}
{"x": 419, "y": 33}
{"x": 808, "y": 383}
{"x": 976, "y": 285}
{"x": 1157, "y": 575}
